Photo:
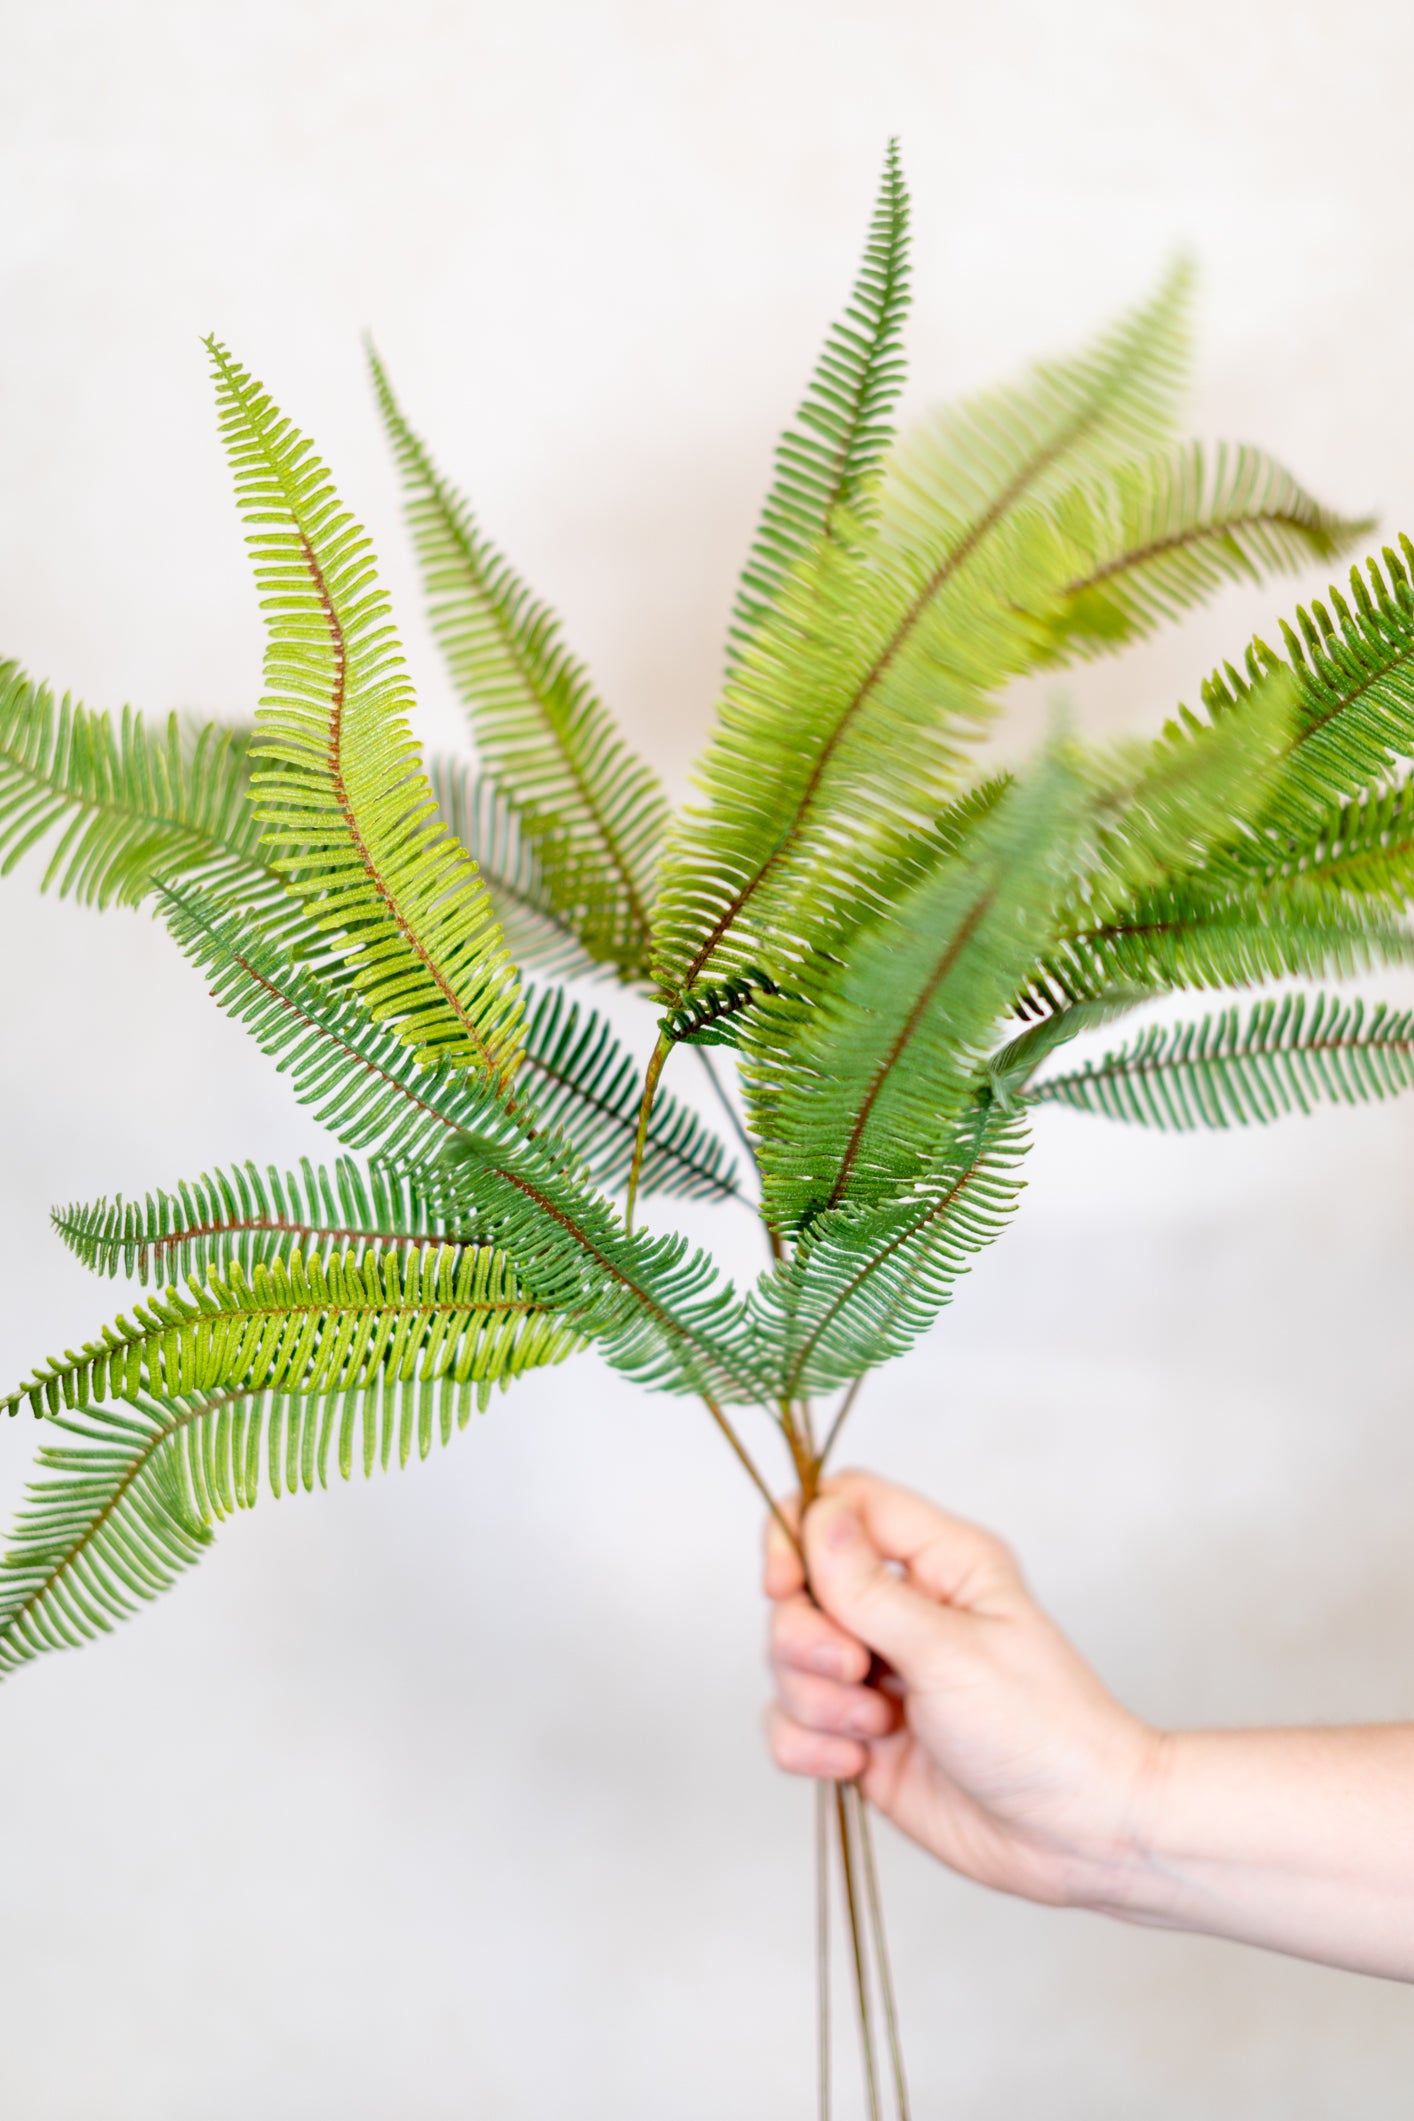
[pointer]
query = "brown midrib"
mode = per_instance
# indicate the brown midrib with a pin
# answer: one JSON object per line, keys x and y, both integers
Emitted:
{"x": 346, "y": 809}
{"x": 1161, "y": 1065}
{"x": 946, "y": 568}
{"x": 602, "y": 826}
{"x": 976, "y": 912}
{"x": 1200, "y": 534}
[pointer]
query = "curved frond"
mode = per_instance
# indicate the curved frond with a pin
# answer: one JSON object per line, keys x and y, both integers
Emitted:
{"x": 537, "y": 933}
{"x": 366, "y": 1085}
{"x": 310, "y": 1323}
{"x": 1157, "y": 536}
{"x": 830, "y": 457}
{"x": 245, "y": 1217}
{"x": 865, "y": 1282}
{"x": 350, "y": 817}
{"x": 117, "y": 805}
{"x": 592, "y": 810}
{"x": 851, "y": 709}
{"x": 853, "y": 1097}
{"x": 130, "y": 1496}
{"x": 1238, "y": 1068}
{"x": 658, "y": 1309}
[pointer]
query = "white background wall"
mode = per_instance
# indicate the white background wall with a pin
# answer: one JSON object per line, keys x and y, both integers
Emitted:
{"x": 443, "y": 1796}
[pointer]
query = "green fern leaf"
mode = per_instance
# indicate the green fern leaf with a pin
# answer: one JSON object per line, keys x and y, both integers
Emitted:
{"x": 854, "y": 1097}
{"x": 309, "y": 1323}
{"x": 592, "y": 811}
{"x": 844, "y": 725}
{"x": 350, "y": 816}
{"x": 1286, "y": 1055}
{"x": 247, "y": 1218}
{"x": 829, "y": 459}
{"x": 366, "y": 1085}
{"x": 1155, "y": 537}
{"x": 657, "y": 1309}
{"x": 121, "y": 805}
{"x": 866, "y": 1282}
{"x": 129, "y": 1499}
{"x": 537, "y": 933}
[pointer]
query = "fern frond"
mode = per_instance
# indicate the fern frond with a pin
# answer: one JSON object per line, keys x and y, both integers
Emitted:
{"x": 854, "y": 1097}
{"x": 829, "y": 458}
{"x": 852, "y": 707}
{"x": 864, "y": 1282}
{"x": 120, "y": 804}
{"x": 537, "y": 933}
{"x": 1363, "y": 848}
{"x": 657, "y": 1309}
{"x": 1286, "y": 1055}
{"x": 1155, "y": 537}
{"x": 129, "y": 1498}
{"x": 245, "y": 1217}
{"x": 967, "y": 467}
{"x": 350, "y": 816}
{"x": 593, "y": 812}
{"x": 309, "y": 1323}
{"x": 366, "y": 1085}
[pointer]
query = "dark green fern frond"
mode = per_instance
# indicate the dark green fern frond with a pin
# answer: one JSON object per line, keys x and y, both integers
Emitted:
{"x": 854, "y": 1097}
{"x": 593, "y": 812}
{"x": 1155, "y": 537}
{"x": 537, "y": 933}
{"x": 130, "y": 1496}
{"x": 1364, "y": 848}
{"x": 658, "y": 1309}
{"x": 313, "y": 1324}
{"x": 245, "y": 1217}
{"x": 365, "y": 1084}
{"x": 349, "y": 814}
{"x": 1286, "y": 1055}
{"x": 864, "y": 1283}
{"x": 829, "y": 459}
{"x": 117, "y": 805}
{"x": 712, "y": 1017}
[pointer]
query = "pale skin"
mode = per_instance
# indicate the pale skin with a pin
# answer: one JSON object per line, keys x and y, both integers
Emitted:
{"x": 990, "y": 1742}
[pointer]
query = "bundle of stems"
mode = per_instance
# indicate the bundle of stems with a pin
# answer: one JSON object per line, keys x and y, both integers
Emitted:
{"x": 893, "y": 944}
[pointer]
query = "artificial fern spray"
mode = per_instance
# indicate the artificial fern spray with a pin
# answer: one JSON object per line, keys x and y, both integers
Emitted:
{"x": 891, "y": 945}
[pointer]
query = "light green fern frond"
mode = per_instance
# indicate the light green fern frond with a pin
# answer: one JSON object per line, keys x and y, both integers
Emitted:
{"x": 118, "y": 805}
{"x": 309, "y": 1323}
{"x": 961, "y": 473}
{"x": 349, "y": 814}
{"x": 245, "y": 1217}
{"x": 1155, "y": 537}
{"x": 593, "y": 812}
{"x": 1238, "y": 1068}
{"x": 130, "y": 1496}
{"x": 829, "y": 459}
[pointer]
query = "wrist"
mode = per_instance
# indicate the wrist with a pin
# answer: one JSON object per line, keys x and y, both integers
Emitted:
{"x": 1118, "y": 1868}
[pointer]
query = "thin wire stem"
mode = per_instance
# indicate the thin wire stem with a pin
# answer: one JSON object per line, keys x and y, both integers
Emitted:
{"x": 861, "y": 1967}
{"x": 752, "y": 1473}
{"x": 733, "y": 1116}
{"x": 840, "y": 1418}
{"x": 881, "y": 1953}
{"x": 822, "y": 1941}
{"x": 656, "y": 1063}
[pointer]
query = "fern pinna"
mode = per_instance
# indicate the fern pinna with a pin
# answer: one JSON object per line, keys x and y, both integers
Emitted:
{"x": 888, "y": 943}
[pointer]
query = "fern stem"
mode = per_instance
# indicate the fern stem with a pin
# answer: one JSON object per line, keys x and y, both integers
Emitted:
{"x": 822, "y": 1942}
{"x": 881, "y": 1953}
{"x": 841, "y": 1417}
{"x": 656, "y": 1064}
{"x": 753, "y": 1473}
{"x": 856, "y": 1936}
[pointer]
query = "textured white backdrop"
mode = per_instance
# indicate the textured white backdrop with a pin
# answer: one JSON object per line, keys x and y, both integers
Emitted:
{"x": 443, "y": 1796}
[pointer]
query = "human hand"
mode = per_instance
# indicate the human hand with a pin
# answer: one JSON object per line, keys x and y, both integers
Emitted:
{"x": 989, "y": 1740}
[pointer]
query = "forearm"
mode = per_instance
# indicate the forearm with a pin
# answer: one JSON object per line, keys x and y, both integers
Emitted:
{"x": 1300, "y": 1841}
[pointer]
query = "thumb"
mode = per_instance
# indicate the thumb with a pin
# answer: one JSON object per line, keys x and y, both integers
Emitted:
{"x": 855, "y": 1586}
